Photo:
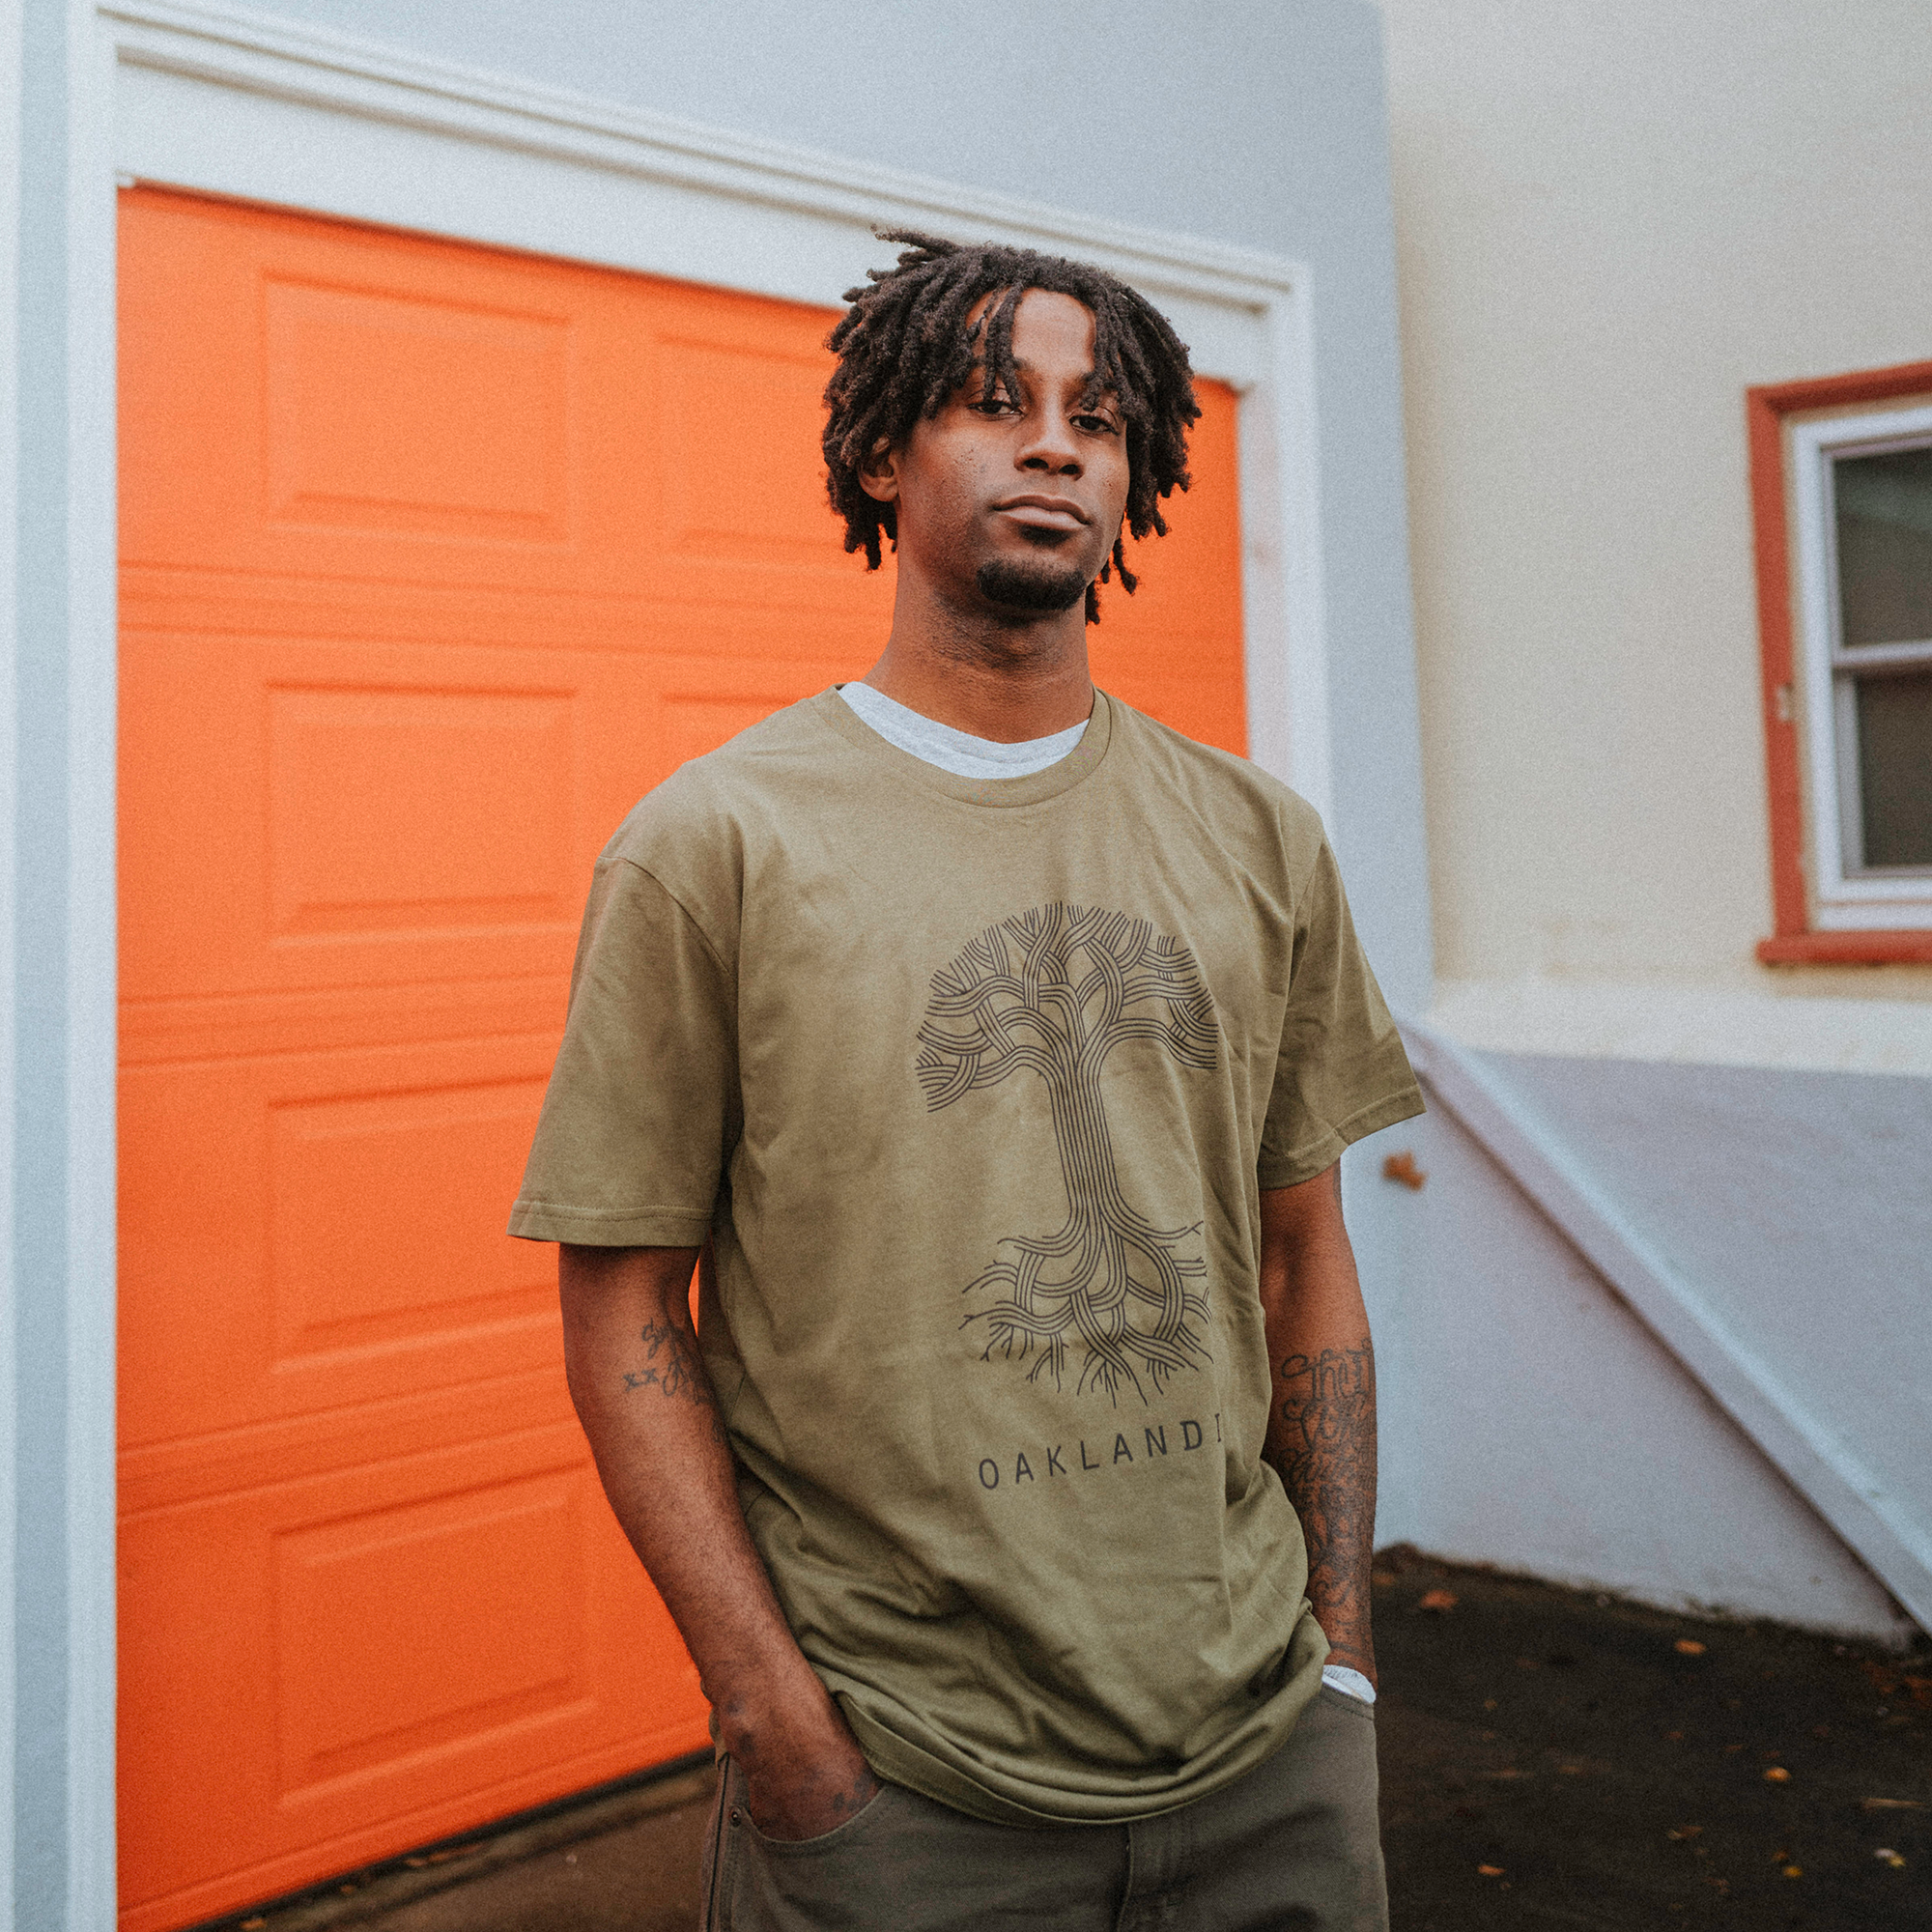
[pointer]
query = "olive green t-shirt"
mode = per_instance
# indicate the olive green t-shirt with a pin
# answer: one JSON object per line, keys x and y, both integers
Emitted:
{"x": 972, "y": 1086}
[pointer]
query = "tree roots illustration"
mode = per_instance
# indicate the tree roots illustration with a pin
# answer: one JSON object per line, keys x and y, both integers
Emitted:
{"x": 1056, "y": 990}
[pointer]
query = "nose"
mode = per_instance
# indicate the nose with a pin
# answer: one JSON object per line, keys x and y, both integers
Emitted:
{"x": 1051, "y": 449}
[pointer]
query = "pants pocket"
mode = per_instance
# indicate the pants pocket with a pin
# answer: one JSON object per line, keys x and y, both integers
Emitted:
{"x": 824, "y": 1884}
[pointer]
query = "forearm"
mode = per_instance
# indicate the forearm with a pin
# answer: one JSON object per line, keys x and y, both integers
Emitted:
{"x": 1321, "y": 1426}
{"x": 648, "y": 1407}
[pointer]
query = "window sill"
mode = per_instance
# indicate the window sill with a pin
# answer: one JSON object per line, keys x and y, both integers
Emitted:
{"x": 1848, "y": 949}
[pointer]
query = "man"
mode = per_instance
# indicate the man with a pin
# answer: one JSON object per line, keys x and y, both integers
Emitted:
{"x": 996, "y": 1046}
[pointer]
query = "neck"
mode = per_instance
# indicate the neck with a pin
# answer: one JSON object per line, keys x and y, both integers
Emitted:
{"x": 1005, "y": 677}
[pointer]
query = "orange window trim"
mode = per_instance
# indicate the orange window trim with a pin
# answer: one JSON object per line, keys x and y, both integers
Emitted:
{"x": 1792, "y": 942}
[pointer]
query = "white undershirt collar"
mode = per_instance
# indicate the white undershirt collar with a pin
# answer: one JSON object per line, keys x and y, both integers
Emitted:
{"x": 953, "y": 751}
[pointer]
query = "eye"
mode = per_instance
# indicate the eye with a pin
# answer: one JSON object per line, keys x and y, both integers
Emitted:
{"x": 999, "y": 405}
{"x": 1091, "y": 424}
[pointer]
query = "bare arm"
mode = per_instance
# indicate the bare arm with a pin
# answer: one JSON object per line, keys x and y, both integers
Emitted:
{"x": 646, "y": 1404}
{"x": 1321, "y": 1425}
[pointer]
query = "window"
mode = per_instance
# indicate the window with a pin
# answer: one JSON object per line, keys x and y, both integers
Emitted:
{"x": 1843, "y": 492}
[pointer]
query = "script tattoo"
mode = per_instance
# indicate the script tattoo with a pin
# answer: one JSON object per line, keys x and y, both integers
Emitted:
{"x": 671, "y": 1366}
{"x": 1055, "y": 992}
{"x": 1328, "y": 1468}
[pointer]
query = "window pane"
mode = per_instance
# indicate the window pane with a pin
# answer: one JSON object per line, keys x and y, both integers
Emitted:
{"x": 1885, "y": 546}
{"x": 1895, "y": 768}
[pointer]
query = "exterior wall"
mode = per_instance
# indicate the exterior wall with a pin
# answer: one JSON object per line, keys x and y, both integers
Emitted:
{"x": 1540, "y": 1426}
{"x": 1609, "y": 222}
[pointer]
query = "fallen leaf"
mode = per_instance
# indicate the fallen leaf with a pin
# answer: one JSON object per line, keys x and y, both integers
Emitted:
{"x": 1437, "y": 1599}
{"x": 1689, "y": 1646}
{"x": 1885, "y": 1856}
{"x": 1490, "y": 1871}
{"x": 1891, "y": 1803}
{"x": 1402, "y": 1167}
{"x": 1674, "y": 1737}
{"x": 1794, "y": 1871}
{"x": 1681, "y": 1831}
{"x": 1489, "y": 1703}
{"x": 1573, "y": 1770}
{"x": 1777, "y": 1774}
{"x": 1508, "y": 1771}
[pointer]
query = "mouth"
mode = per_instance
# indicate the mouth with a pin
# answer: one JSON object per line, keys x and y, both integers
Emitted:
{"x": 1043, "y": 513}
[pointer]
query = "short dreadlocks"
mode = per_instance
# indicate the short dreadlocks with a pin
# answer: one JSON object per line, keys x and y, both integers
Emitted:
{"x": 903, "y": 347}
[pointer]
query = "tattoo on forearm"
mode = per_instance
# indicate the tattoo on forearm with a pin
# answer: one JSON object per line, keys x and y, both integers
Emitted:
{"x": 1329, "y": 1468}
{"x": 673, "y": 1365}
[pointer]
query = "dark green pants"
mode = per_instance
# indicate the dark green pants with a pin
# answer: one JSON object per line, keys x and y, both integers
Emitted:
{"x": 1292, "y": 1844}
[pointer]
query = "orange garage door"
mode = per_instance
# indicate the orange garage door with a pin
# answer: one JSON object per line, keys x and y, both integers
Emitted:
{"x": 433, "y": 560}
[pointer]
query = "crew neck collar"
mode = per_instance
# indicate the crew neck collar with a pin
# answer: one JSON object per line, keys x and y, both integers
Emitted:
{"x": 1061, "y": 776}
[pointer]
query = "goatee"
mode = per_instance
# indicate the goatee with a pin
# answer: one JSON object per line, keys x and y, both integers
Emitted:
{"x": 1031, "y": 587}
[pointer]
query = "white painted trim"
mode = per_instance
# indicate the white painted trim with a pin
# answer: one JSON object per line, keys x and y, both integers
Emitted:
{"x": 93, "y": 979}
{"x": 12, "y": 27}
{"x": 1842, "y": 901}
{"x": 235, "y": 103}
{"x": 1815, "y": 1459}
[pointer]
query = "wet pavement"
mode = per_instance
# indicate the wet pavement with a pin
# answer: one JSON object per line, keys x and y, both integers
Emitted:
{"x": 1550, "y": 1759}
{"x": 1554, "y": 1759}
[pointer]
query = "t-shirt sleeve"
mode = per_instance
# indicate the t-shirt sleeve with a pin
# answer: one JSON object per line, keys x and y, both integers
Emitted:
{"x": 1341, "y": 1072}
{"x": 643, "y": 1108}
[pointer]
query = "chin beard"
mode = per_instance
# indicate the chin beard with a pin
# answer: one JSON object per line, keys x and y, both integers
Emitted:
{"x": 1031, "y": 587}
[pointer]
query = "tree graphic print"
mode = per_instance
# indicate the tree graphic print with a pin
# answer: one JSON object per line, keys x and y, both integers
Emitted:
{"x": 1053, "y": 992}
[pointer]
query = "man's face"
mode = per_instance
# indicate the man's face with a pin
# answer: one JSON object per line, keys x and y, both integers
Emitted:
{"x": 1015, "y": 504}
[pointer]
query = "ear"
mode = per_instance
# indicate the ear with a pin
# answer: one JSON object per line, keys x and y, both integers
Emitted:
{"x": 879, "y": 474}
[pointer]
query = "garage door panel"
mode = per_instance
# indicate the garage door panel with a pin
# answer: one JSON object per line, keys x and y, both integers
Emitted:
{"x": 1203, "y": 544}
{"x": 332, "y": 1224}
{"x": 383, "y": 814}
{"x": 403, "y": 1649}
{"x": 1202, "y": 707}
{"x": 162, "y": 1474}
{"x": 426, "y": 427}
{"x": 228, "y": 1026}
{"x": 400, "y": 416}
{"x": 465, "y": 418}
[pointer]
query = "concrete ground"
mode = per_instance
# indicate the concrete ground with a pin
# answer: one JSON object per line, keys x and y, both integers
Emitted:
{"x": 1550, "y": 1759}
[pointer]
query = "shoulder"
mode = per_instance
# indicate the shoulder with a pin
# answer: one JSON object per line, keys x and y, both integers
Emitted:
{"x": 712, "y": 805}
{"x": 1248, "y": 808}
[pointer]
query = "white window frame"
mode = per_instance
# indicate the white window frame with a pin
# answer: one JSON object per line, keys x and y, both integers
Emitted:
{"x": 1845, "y": 898}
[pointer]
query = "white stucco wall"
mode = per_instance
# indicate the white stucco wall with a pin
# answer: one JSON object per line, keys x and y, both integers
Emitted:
{"x": 1611, "y": 220}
